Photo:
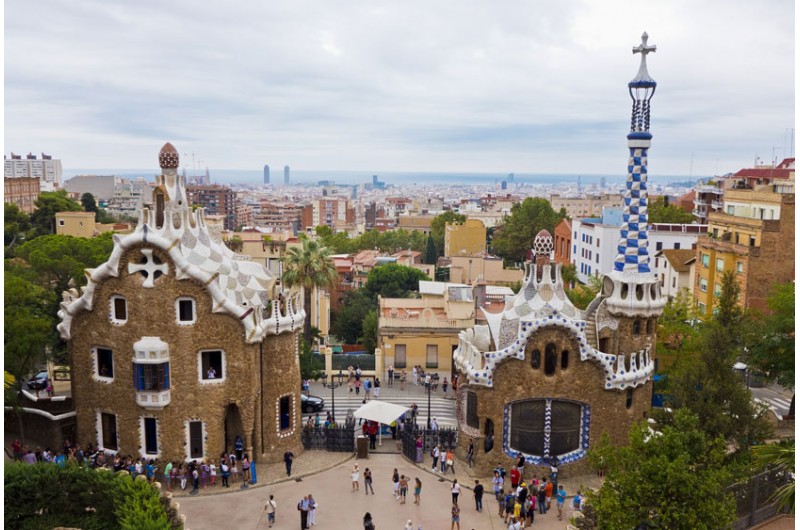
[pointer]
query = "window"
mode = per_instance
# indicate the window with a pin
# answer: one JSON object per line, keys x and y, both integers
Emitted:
{"x": 739, "y": 267}
{"x": 195, "y": 439}
{"x": 676, "y": 246}
{"x": 656, "y": 263}
{"x": 432, "y": 356}
{"x": 104, "y": 359}
{"x": 550, "y": 359}
{"x": 60, "y": 222}
{"x": 527, "y": 428}
{"x": 564, "y": 359}
{"x": 649, "y": 326}
{"x": 701, "y": 308}
{"x": 150, "y": 436}
{"x": 151, "y": 377}
{"x": 720, "y": 264}
{"x": 659, "y": 246}
{"x": 703, "y": 285}
{"x": 536, "y": 359}
{"x": 605, "y": 343}
{"x": 674, "y": 282}
{"x": 184, "y": 308}
{"x": 637, "y": 327}
{"x": 717, "y": 289}
{"x": 119, "y": 310}
{"x": 629, "y": 398}
{"x": 752, "y": 241}
{"x": 212, "y": 366}
{"x": 108, "y": 431}
{"x": 400, "y": 355}
{"x": 472, "y": 410}
{"x": 285, "y": 417}
{"x": 705, "y": 259}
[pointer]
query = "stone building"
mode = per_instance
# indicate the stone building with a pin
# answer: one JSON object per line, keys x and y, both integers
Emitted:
{"x": 178, "y": 345}
{"x": 545, "y": 379}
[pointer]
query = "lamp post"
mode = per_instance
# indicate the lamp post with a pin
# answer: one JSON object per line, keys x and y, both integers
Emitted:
{"x": 428, "y": 388}
{"x": 335, "y": 382}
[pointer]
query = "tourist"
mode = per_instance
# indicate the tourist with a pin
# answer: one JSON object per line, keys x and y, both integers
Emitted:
{"x": 403, "y": 489}
{"x": 211, "y": 374}
{"x": 455, "y": 490}
{"x": 478, "y": 492}
{"x": 530, "y": 508}
{"x": 303, "y": 506}
{"x": 548, "y": 493}
{"x": 417, "y": 490}
{"x": 355, "y": 475}
{"x": 450, "y": 461}
{"x": 306, "y": 386}
{"x": 501, "y": 503}
{"x": 368, "y": 525}
{"x": 312, "y": 510}
{"x": 182, "y": 476}
{"x": 238, "y": 445}
{"x": 195, "y": 477}
{"x": 541, "y": 498}
{"x": 414, "y": 374}
{"x": 520, "y": 464}
{"x": 368, "y": 482}
{"x": 204, "y": 473}
{"x": 409, "y": 525}
{"x": 226, "y": 473}
{"x": 212, "y": 471}
{"x": 497, "y": 483}
{"x": 357, "y": 385}
{"x": 434, "y": 424}
{"x": 420, "y": 444}
{"x": 471, "y": 452}
{"x": 554, "y": 472}
{"x": 350, "y": 378}
{"x": 403, "y": 380}
{"x": 576, "y": 501}
{"x": 246, "y": 468}
{"x": 435, "y": 453}
{"x": 396, "y": 484}
{"x": 376, "y": 388}
{"x": 514, "y": 524}
{"x": 499, "y": 469}
{"x": 235, "y": 472}
{"x": 367, "y": 390}
{"x": 561, "y": 496}
{"x": 168, "y": 475}
{"x": 455, "y": 516}
{"x": 514, "y": 475}
{"x": 270, "y": 508}
{"x": 444, "y": 386}
{"x": 288, "y": 457}
{"x": 510, "y": 501}
{"x": 391, "y": 376}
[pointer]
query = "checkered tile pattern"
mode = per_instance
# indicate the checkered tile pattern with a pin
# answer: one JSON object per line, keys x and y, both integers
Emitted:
{"x": 632, "y": 252}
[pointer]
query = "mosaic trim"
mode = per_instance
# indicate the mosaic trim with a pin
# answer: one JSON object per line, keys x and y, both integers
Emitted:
{"x": 285, "y": 433}
{"x": 461, "y": 413}
{"x": 632, "y": 254}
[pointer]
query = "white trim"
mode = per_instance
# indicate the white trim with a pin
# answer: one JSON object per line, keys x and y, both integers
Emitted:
{"x": 112, "y": 313}
{"x": 143, "y": 439}
{"x": 99, "y": 430}
{"x": 216, "y": 380}
{"x": 187, "y": 443}
{"x": 96, "y": 365}
{"x": 178, "y": 311}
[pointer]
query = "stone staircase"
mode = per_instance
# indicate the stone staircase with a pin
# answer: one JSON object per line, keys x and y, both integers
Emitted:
{"x": 591, "y": 322}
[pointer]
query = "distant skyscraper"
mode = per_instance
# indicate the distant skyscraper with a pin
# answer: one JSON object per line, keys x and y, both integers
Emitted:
{"x": 286, "y": 174}
{"x": 602, "y": 182}
{"x": 504, "y": 185}
{"x": 266, "y": 174}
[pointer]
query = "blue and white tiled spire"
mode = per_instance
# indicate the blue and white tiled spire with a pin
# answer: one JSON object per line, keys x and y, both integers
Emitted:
{"x": 632, "y": 252}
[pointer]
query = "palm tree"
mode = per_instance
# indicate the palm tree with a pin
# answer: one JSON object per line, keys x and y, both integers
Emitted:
{"x": 779, "y": 456}
{"x": 309, "y": 266}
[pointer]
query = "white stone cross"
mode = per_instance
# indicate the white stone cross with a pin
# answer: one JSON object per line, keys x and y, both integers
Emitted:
{"x": 149, "y": 268}
{"x": 644, "y": 49}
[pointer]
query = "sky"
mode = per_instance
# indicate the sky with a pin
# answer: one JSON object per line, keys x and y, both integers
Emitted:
{"x": 513, "y": 86}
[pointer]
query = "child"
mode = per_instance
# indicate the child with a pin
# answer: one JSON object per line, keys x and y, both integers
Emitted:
{"x": 212, "y": 469}
{"x": 501, "y": 502}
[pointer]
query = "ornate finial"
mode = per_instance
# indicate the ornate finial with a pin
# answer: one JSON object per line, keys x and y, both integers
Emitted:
{"x": 168, "y": 157}
{"x": 543, "y": 243}
{"x": 642, "y": 76}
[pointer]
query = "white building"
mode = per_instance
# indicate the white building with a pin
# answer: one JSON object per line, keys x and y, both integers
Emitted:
{"x": 100, "y": 186}
{"x": 595, "y": 240}
{"x": 674, "y": 268}
{"x": 47, "y": 170}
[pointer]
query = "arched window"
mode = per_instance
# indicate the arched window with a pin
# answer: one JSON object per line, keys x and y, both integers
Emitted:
{"x": 472, "y": 410}
{"x": 550, "y": 359}
{"x": 637, "y": 327}
{"x": 629, "y": 398}
{"x": 536, "y": 359}
{"x": 649, "y": 326}
{"x": 530, "y": 420}
{"x": 565, "y": 359}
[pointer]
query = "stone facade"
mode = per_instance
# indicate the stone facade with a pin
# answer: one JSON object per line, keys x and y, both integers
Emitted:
{"x": 153, "y": 322}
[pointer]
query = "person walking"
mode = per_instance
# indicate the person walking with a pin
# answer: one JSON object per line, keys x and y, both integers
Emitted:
{"x": 355, "y": 475}
{"x": 396, "y": 484}
{"x": 561, "y": 496}
{"x": 368, "y": 482}
{"x": 444, "y": 387}
{"x": 312, "y": 510}
{"x": 501, "y": 503}
{"x": 302, "y": 506}
{"x": 435, "y": 453}
{"x": 403, "y": 380}
{"x": 455, "y": 516}
{"x": 403, "y": 489}
{"x": 417, "y": 490}
{"x": 409, "y": 525}
{"x": 270, "y": 507}
{"x": 541, "y": 497}
{"x": 391, "y": 376}
{"x": 455, "y": 490}
{"x": 288, "y": 458}
{"x": 478, "y": 492}
{"x": 376, "y": 388}
{"x": 471, "y": 452}
{"x": 450, "y": 461}
{"x": 497, "y": 484}
{"x": 548, "y": 494}
{"x": 368, "y": 524}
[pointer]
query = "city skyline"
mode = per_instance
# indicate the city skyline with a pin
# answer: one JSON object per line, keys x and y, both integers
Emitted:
{"x": 445, "y": 88}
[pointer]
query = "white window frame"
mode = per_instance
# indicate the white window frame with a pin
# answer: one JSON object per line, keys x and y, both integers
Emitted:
{"x": 99, "y": 426}
{"x": 285, "y": 433}
{"x": 112, "y": 312}
{"x": 96, "y": 365}
{"x": 200, "y": 374}
{"x": 187, "y": 445}
{"x": 178, "y": 311}
{"x": 720, "y": 264}
{"x": 703, "y": 285}
{"x": 143, "y": 439}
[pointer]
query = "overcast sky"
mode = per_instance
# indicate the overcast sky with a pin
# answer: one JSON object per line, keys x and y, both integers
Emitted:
{"x": 408, "y": 85}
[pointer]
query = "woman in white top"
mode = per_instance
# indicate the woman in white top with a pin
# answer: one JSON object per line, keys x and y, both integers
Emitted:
{"x": 455, "y": 491}
{"x": 355, "y": 476}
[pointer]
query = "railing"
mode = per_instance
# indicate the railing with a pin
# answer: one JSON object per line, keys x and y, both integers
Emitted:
{"x": 420, "y": 322}
{"x": 753, "y": 497}
{"x": 336, "y": 439}
{"x": 446, "y": 438}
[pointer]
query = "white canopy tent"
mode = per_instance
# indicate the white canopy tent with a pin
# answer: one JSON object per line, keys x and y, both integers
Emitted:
{"x": 380, "y": 411}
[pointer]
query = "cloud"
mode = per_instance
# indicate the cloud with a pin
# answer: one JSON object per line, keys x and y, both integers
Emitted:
{"x": 529, "y": 87}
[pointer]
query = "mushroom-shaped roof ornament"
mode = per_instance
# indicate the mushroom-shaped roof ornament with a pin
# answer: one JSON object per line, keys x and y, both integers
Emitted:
{"x": 543, "y": 243}
{"x": 168, "y": 157}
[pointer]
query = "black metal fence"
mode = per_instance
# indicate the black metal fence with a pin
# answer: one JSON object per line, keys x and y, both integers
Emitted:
{"x": 446, "y": 438}
{"x": 338, "y": 439}
{"x": 754, "y": 497}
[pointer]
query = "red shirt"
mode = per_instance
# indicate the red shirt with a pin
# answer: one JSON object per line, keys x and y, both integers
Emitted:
{"x": 514, "y": 476}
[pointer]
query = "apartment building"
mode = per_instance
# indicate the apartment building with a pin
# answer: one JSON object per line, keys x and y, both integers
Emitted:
{"x": 217, "y": 200}
{"x": 46, "y": 169}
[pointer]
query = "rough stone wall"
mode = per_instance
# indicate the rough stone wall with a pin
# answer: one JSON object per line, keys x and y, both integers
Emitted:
{"x": 151, "y": 312}
{"x": 582, "y": 381}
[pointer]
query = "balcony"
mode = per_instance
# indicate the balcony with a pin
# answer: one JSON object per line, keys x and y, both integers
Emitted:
{"x": 717, "y": 205}
{"x": 700, "y": 213}
{"x": 699, "y": 202}
{"x": 706, "y": 188}
{"x": 153, "y": 399}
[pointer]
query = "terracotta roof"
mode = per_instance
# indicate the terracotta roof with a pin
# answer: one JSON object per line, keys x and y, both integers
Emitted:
{"x": 679, "y": 258}
{"x": 781, "y": 171}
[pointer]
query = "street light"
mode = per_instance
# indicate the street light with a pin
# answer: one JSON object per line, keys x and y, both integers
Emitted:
{"x": 335, "y": 382}
{"x": 428, "y": 387}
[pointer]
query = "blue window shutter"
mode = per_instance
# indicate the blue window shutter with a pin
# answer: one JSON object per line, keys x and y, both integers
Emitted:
{"x": 166, "y": 376}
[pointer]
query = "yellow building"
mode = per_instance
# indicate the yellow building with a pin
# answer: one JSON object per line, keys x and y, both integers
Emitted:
{"x": 424, "y": 331}
{"x": 467, "y": 269}
{"x": 82, "y": 224}
{"x": 754, "y": 238}
{"x": 465, "y": 239}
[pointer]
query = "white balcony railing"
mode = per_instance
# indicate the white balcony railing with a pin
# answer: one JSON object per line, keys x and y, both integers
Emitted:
{"x": 153, "y": 399}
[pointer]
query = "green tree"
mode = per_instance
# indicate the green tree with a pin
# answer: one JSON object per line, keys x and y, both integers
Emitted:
{"x": 583, "y": 294}
{"x": 311, "y": 365}
{"x": 678, "y": 325}
{"x": 515, "y": 237}
{"x": 430, "y": 251}
{"x": 393, "y": 281}
{"x": 348, "y": 323}
{"x": 88, "y": 202}
{"x": 438, "y": 224}
{"x": 779, "y": 456}
{"x": 369, "y": 331}
{"x": 16, "y": 226}
{"x": 309, "y": 266}
{"x": 672, "y": 479}
{"x": 658, "y": 212}
{"x": 569, "y": 275}
{"x": 48, "y": 205}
